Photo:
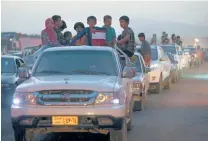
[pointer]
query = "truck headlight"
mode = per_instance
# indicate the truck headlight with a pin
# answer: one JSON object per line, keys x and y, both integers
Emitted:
{"x": 107, "y": 98}
{"x": 24, "y": 99}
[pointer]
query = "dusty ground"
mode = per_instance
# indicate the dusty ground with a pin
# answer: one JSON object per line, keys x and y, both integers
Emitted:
{"x": 180, "y": 114}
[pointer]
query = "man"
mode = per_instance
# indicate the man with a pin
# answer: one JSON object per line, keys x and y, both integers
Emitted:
{"x": 57, "y": 27}
{"x": 110, "y": 31}
{"x": 145, "y": 49}
{"x": 127, "y": 43}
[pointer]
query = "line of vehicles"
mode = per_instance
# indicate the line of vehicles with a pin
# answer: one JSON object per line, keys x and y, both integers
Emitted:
{"x": 85, "y": 89}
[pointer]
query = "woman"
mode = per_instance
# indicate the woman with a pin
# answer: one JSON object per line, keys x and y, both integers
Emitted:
{"x": 79, "y": 27}
{"x": 48, "y": 35}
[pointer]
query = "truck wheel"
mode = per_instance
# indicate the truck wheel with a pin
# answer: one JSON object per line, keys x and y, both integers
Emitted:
{"x": 119, "y": 135}
{"x": 19, "y": 135}
{"x": 130, "y": 123}
{"x": 24, "y": 135}
{"x": 139, "y": 105}
{"x": 159, "y": 86}
{"x": 174, "y": 77}
{"x": 168, "y": 83}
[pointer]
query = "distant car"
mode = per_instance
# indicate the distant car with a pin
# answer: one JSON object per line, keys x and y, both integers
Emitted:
{"x": 174, "y": 71}
{"x": 140, "y": 83}
{"x": 193, "y": 54}
{"x": 9, "y": 75}
{"x": 160, "y": 70}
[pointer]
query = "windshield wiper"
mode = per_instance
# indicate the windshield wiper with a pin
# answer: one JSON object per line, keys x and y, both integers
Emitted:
{"x": 52, "y": 72}
{"x": 90, "y": 72}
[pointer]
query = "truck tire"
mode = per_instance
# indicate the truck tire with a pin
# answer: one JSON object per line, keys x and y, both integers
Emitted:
{"x": 24, "y": 135}
{"x": 168, "y": 83}
{"x": 119, "y": 135}
{"x": 158, "y": 89}
{"x": 139, "y": 105}
{"x": 130, "y": 123}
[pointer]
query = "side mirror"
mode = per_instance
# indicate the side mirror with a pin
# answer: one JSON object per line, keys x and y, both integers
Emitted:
{"x": 23, "y": 73}
{"x": 147, "y": 69}
{"x": 129, "y": 72}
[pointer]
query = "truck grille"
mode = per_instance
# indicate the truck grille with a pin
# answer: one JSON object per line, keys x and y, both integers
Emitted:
{"x": 66, "y": 97}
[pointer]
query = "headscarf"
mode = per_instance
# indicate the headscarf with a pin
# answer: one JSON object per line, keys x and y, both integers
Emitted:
{"x": 50, "y": 31}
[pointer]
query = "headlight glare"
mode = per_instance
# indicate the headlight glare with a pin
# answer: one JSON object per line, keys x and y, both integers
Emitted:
{"x": 106, "y": 98}
{"x": 24, "y": 99}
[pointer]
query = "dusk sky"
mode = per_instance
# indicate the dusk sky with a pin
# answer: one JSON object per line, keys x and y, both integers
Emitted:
{"x": 29, "y": 17}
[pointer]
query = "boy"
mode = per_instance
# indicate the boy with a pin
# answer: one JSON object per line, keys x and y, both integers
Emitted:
{"x": 110, "y": 31}
{"x": 127, "y": 43}
{"x": 67, "y": 38}
{"x": 91, "y": 21}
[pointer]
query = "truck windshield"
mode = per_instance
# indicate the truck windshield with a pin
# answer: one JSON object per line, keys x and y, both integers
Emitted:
{"x": 154, "y": 54}
{"x": 80, "y": 62}
{"x": 170, "y": 49}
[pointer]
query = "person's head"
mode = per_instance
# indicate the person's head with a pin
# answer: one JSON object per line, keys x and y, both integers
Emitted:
{"x": 154, "y": 35}
{"x": 49, "y": 23}
{"x": 57, "y": 21}
{"x": 178, "y": 37}
{"x": 163, "y": 33}
{"x": 166, "y": 35}
{"x": 67, "y": 35}
{"x": 79, "y": 26}
{"x": 124, "y": 21}
{"x": 173, "y": 36}
{"x": 107, "y": 20}
{"x": 166, "y": 41}
{"x": 91, "y": 21}
{"x": 141, "y": 37}
{"x": 63, "y": 26}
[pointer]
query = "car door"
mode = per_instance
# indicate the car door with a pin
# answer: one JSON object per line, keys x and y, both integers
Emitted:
{"x": 146, "y": 75}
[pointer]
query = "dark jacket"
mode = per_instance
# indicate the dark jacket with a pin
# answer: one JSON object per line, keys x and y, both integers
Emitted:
{"x": 145, "y": 48}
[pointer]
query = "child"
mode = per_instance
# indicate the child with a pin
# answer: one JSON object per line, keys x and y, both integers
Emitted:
{"x": 67, "y": 38}
{"x": 127, "y": 42}
{"x": 110, "y": 31}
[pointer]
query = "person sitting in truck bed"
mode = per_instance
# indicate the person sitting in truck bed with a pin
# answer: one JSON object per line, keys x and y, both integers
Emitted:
{"x": 48, "y": 35}
{"x": 127, "y": 43}
{"x": 79, "y": 27}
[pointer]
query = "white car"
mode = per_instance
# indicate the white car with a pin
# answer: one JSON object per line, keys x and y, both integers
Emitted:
{"x": 175, "y": 50}
{"x": 160, "y": 70}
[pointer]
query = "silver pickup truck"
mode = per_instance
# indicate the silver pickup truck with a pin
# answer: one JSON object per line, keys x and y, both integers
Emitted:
{"x": 75, "y": 89}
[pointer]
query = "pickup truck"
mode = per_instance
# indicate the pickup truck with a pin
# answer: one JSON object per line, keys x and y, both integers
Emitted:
{"x": 75, "y": 89}
{"x": 140, "y": 82}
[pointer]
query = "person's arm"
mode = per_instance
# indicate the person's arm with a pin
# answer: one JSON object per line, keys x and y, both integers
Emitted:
{"x": 46, "y": 41}
{"x": 77, "y": 37}
{"x": 114, "y": 37}
{"x": 126, "y": 38}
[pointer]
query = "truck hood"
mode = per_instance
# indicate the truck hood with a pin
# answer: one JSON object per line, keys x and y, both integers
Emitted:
{"x": 81, "y": 82}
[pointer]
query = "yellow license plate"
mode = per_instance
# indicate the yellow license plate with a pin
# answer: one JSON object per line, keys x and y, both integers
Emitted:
{"x": 64, "y": 120}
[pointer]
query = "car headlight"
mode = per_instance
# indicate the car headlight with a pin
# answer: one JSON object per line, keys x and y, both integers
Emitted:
{"x": 107, "y": 98}
{"x": 154, "y": 67}
{"x": 24, "y": 99}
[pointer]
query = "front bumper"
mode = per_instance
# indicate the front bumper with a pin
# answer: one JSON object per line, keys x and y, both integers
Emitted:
{"x": 84, "y": 122}
{"x": 41, "y": 116}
